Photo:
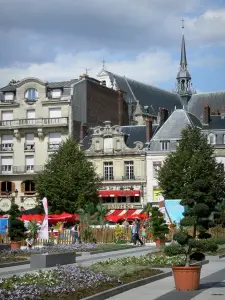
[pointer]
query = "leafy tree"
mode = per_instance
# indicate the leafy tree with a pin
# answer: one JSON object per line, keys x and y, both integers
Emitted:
{"x": 193, "y": 175}
{"x": 157, "y": 224}
{"x": 101, "y": 212}
{"x": 16, "y": 227}
{"x": 69, "y": 180}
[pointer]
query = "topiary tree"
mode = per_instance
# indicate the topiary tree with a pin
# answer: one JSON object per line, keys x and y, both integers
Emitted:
{"x": 193, "y": 175}
{"x": 158, "y": 225}
{"x": 69, "y": 180}
{"x": 16, "y": 228}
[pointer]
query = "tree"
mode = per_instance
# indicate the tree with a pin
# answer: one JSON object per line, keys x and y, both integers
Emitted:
{"x": 193, "y": 175}
{"x": 69, "y": 180}
{"x": 16, "y": 227}
{"x": 158, "y": 225}
{"x": 101, "y": 212}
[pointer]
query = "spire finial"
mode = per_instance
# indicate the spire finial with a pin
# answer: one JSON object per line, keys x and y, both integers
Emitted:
{"x": 182, "y": 26}
{"x": 103, "y": 63}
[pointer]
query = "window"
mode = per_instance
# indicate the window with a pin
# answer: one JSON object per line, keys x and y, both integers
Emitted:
{"x": 7, "y": 187}
{"x": 7, "y": 117}
{"x": 29, "y": 159}
{"x": 7, "y": 164}
{"x": 165, "y": 145}
{"x": 211, "y": 139}
{"x": 97, "y": 146}
{"x": 56, "y": 93}
{"x": 31, "y": 116}
{"x": 29, "y": 145}
{"x": 9, "y": 96}
{"x": 129, "y": 169}
{"x": 31, "y": 94}
{"x": 54, "y": 115}
{"x": 156, "y": 168}
{"x": 7, "y": 143}
{"x": 108, "y": 170}
{"x": 54, "y": 140}
{"x": 28, "y": 187}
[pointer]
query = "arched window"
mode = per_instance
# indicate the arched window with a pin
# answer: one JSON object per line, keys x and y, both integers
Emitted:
{"x": 28, "y": 187}
{"x": 7, "y": 187}
{"x": 211, "y": 139}
{"x": 31, "y": 94}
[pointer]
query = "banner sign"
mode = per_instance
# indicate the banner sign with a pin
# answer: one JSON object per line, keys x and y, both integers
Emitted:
{"x": 43, "y": 233}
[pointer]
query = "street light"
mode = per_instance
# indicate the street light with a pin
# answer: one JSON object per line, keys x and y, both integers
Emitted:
{"x": 16, "y": 192}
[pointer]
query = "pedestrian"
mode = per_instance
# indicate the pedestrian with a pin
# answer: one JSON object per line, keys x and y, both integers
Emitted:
{"x": 29, "y": 241}
{"x": 76, "y": 230}
{"x": 143, "y": 234}
{"x": 132, "y": 231}
{"x": 136, "y": 232}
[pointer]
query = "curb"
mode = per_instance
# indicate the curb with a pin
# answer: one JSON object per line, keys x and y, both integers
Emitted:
{"x": 126, "y": 287}
{"x": 222, "y": 256}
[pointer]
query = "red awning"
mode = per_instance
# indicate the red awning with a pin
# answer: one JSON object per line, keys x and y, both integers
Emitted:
{"x": 120, "y": 215}
{"x": 118, "y": 193}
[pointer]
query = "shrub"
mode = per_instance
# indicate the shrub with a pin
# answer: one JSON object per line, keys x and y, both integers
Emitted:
{"x": 158, "y": 224}
{"x": 16, "y": 227}
{"x": 174, "y": 250}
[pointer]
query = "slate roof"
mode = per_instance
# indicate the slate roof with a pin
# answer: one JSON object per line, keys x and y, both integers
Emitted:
{"x": 51, "y": 85}
{"x": 147, "y": 95}
{"x": 178, "y": 120}
{"x": 216, "y": 122}
{"x": 215, "y": 100}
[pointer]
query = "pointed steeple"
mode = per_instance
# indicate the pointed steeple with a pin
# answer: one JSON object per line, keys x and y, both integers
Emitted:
{"x": 184, "y": 86}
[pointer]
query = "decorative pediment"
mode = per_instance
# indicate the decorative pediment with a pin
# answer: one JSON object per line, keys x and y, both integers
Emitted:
{"x": 30, "y": 79}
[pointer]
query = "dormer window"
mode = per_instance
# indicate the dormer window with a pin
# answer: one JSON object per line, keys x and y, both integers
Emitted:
{"x": 212, "y": 139}
{"x": 165, "y": 145}
{"x": 31, "y": 94}
{"x": 9, "y": 96}
{"x": 56, "y": 93}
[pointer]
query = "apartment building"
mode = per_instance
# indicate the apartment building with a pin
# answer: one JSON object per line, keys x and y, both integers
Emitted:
{"x": 34, "y": 119}
{"x": 118, "y": 154}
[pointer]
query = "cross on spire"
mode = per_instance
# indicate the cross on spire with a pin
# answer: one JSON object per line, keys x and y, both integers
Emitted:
{"x": 103, "y": 63}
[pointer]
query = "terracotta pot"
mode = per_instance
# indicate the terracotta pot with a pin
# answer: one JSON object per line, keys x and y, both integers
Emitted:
{"x": 15, "y": 245}
{"x": 160, "y": 243}
{"x": 187, "y": 278}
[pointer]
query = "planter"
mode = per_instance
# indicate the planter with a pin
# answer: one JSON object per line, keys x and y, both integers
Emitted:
{"x": 187, "y": 278}
{"x": 160, "y": 243}
{"x": 15, "y": 245}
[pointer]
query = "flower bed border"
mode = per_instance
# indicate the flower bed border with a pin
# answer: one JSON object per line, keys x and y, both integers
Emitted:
{"x": 129, "y": 286}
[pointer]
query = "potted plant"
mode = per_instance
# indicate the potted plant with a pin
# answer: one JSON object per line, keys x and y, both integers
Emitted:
{"x": 16, "y": 227}
{"x": 158, "y": 227}
{"x": 33, "y": 228}
{"x": 187, "y": 277}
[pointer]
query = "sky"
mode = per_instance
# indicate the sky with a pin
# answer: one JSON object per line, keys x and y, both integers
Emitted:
{"x": 57, "y": 39}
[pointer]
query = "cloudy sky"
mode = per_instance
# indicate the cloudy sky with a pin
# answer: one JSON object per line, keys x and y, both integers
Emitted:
{"x": 57, "y": 39}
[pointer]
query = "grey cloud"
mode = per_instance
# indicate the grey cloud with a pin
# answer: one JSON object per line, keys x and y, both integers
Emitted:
{"x": 36, "y": 30}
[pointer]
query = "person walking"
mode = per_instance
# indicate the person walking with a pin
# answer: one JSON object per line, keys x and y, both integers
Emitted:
{"x": 133, "y": 226}
{"x": 143, "y": 234}
{"x": 76, "y": 233}
{"x": 136, "y": 232}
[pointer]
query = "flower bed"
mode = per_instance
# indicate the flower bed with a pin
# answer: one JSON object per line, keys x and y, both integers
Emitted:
{"x": 68, "y": 282}
{"x": 159, "y": 260}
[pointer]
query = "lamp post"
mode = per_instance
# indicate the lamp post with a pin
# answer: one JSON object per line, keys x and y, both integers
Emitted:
{"x": 16, "y": 193}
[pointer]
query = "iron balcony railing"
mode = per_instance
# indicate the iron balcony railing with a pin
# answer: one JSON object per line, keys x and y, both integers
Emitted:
{"x": 53, "y": 146}
{"x": 6, "y": 147}
{"x": 29, "y": 146}
{"x": 29, "y": 169}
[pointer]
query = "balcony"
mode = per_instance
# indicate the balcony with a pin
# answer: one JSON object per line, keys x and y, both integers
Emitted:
{"x": 41, "y": 122}
{"x": 17, "y": 170}
{"x": 53, "y": 146}
{"x": 29, "y": 146}
{"x": 11, "y": 103}
{"x": 123, "y": 178}
{"x": 6, "y": 147}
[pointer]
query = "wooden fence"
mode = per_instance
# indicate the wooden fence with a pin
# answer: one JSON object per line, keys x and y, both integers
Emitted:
{"x": 104, "y": 235}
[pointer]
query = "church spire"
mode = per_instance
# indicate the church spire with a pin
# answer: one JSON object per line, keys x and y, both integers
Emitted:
{"x": 184, "y": 86}
{"x": 183, "y": 57}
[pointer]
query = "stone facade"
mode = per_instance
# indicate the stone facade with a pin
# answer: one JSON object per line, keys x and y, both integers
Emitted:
{"x": 121, "y": 167}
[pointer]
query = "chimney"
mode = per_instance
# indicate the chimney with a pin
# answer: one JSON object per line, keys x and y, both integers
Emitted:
{"x": 148, "y": 129}
{"x": 120, "y": 107}
{"x": 83, "y": 131}
{"x": 206, "y": 118}
{"x": 164, "y": 114}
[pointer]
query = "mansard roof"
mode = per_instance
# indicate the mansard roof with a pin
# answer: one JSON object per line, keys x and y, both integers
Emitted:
{"x": 216, "y": 100}
{"x": 146, "y": 94}
{"x": 178, "y": 120}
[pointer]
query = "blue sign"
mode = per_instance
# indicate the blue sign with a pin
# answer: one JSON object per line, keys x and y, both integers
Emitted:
{"x": 175, "y": 211}
{"x": 3, "y": 226}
